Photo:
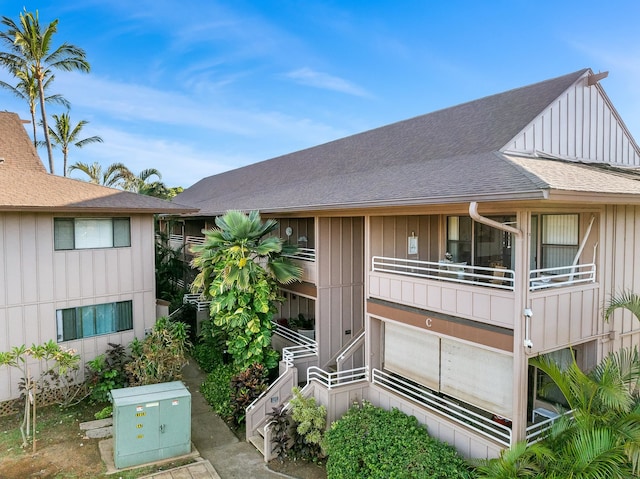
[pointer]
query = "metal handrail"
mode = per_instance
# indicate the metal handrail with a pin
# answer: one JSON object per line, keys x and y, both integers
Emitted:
{"x": 201, "y": 304}
{"x": 500, "y": 278}
{"x": 291, "y": 353}
{"x": 291, "y": 335}
{"x": 354, "y": 344}
{"x": 453, "y": 411}
{"x": 537, "y": 431}
{"x": 304, "y": 254}
{"x": 562, "y": 276}
{"x": 340, "y": 378}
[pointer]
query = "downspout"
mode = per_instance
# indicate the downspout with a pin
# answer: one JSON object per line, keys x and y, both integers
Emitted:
{"x": 521, "y": 339}
{"x": 473, "y": 212}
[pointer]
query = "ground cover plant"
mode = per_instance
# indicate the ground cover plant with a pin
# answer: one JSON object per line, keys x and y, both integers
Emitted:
{"x": 378, "y": 444}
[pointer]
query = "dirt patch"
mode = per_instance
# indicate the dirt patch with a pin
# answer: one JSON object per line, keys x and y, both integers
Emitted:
{"x": 60, "y": 446}
{"x": 63, "y": 451}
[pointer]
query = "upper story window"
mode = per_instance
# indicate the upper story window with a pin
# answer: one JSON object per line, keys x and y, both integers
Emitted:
{"x": 86, "y": 233}
{"x": 554, "y": 240}
{"x": 87, "y": 321}
{"x": 478, "y": 244}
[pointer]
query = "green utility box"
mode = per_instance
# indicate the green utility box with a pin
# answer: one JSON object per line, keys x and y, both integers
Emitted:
{"x": 150, "y": 423}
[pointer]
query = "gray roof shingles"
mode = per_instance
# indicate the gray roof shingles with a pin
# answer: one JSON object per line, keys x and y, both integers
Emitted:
{"x": 438, "y": 157}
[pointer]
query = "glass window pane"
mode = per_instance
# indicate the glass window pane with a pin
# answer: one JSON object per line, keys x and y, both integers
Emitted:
{"x": 124, "y": 316}
{"x": 88, "y": 318}
{"x": 121, "y": 232}
{"x": 105, "y": 318}
{"x": 93, "y": 233}
{"x": 63, "y": 233}
{"x": 560, "y": 229}
{"x": 66, "y": 325}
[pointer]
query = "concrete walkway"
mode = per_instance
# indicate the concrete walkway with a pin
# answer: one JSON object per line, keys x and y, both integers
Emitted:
{"x": 231, "y": 458}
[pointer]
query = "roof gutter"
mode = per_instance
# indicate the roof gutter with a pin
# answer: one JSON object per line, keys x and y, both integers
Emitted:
{"x": 473, "y": 212}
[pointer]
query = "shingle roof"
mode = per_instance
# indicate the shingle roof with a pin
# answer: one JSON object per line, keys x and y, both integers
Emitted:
{"x": 26, "y": 185}
{"x": 445, "y": 156}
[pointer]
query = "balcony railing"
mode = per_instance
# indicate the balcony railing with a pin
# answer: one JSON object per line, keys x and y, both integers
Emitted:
{"x": 562, "y": 276}
{"x": 340, "y": 378}
{"x": 480, "y": 424}
{"x": 538, "y": 430}
{"x": 197, "y": 300}
{"x": 500, "y": 278}
{"x": 304, "y": 254}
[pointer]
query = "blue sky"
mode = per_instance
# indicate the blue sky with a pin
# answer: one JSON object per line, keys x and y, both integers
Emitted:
{"x": 194, "y": 88}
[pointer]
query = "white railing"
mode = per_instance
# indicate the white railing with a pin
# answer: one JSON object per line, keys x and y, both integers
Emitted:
{"x": 194, "y": 240}
{"x": 291, "y": 353}
{"x": 340, "y": 378}
{"x": 500, "y": 278}
{"x": 291, "y": 335}
{"x": 459, "y": 414}
{"x": 176, "y": 241}
{"x": 562, "y": 276}
{"x": 537, "y": 431}
{"x": 201, "y": 304}
{"x": 304, "y": 254}
{"x": 349, "y": 350}
{"x": 177, "y": 282}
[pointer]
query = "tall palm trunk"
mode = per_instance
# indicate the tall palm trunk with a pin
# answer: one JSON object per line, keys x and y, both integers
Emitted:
{"x": 44, "y": 124}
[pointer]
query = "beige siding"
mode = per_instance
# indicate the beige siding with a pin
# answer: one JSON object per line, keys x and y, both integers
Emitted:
{"x": 621, "y": 272}
{"x": 340, "y": 303}
{"x": 35, "y": 281}
{"x": 583, "y": 124}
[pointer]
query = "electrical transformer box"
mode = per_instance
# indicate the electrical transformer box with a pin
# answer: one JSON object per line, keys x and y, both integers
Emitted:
{"x": 150, "y": 423}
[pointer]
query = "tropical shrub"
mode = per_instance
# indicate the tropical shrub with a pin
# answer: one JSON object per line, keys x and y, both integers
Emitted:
{"x": 161, "y": 356}
{"x": 246, "y": 386}
{"x": 216, "y": 390}
{"x": 209, "y": 351}
{"x": 280, "y": 421}
{"x": 377, "y": 444}
{"x": 241, "y": 268}
{"x": 107, "y": 372}
{"x": 310, "y": 421}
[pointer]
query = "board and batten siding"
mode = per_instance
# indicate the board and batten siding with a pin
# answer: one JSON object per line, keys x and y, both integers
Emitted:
{"x": 35, "y": 281}
{"x": 621, "y": 273}
{"x": 580, "y": 124}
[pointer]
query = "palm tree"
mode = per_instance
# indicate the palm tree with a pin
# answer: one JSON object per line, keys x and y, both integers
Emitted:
{"x": 114, "y": 176}
{"x": 64, "y": 135}
{"x": 30, "y": 49}
{"x": 141, "y": 184}
{"x": 629, "y": 301}
{"x": 241, "y": 267}
{"x": 600, "y": 440}
{"x": 27, "y": 89}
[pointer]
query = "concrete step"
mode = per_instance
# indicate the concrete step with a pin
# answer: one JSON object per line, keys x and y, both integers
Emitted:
{"x": 258, "y": 443}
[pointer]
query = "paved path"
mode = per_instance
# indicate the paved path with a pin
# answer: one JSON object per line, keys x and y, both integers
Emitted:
{"x": 231, "y": 458}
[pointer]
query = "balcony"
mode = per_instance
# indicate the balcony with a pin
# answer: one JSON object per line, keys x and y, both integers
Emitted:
{"x": 306, "y": 259}
{"x": 479, "y": 293}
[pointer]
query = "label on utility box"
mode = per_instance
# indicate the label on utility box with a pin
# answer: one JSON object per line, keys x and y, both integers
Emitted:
{"x": 174, "y": 402}
{"x": 153, "y": 404}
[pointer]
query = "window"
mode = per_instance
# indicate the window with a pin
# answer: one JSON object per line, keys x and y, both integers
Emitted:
{"x": 546, "y": 389}
{"x": 85, "y": 233}
{"x": 87, "y": 321}
{"x": 559, "y": 240}
{"x": 478, "y": 244}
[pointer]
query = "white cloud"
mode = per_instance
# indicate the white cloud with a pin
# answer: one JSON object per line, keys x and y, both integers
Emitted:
{"x": 307, "y": 76}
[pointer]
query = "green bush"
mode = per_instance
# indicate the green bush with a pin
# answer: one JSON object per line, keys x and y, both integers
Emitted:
{"x": 310, "y": 421}
{"x": 107, "y": 372}
{"x": 377, "y": 444}
{"x": 217, "y": 390}
{"x": 209, "y": 351}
